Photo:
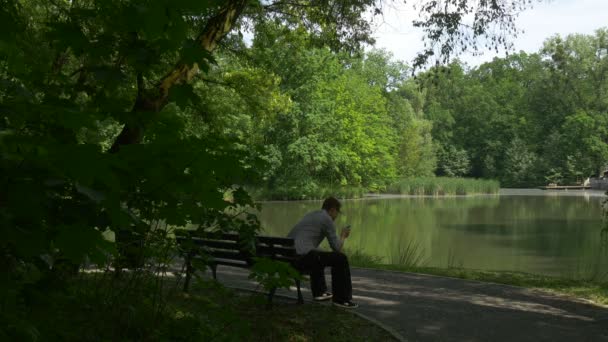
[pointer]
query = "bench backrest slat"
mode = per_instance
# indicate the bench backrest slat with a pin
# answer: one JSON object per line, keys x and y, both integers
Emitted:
{"x": 220, "y": 236}
{"x": 228, "y": 246}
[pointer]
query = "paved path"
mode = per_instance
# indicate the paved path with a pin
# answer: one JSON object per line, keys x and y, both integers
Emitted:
{"x": 430, "y": 308}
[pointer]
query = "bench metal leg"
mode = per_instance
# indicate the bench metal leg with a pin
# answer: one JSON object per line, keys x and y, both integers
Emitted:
{"x": 270, "y": 295}
{"x": 213, "y": 270}
{"x": 188, "y": 274}
{"x": 300, "y": 298}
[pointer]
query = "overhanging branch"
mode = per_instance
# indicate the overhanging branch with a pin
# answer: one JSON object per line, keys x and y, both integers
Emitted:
{"x": 154, "y": 100}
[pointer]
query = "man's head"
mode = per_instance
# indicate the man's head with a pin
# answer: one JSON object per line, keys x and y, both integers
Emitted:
{"x": 332, "y": 206}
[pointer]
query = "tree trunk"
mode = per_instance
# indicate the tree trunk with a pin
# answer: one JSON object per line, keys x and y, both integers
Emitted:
{"x": 130, "y": 243}
{"x": 154, "y": 100}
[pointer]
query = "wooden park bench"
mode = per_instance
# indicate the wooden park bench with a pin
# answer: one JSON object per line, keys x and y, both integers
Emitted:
{"x": 228, "y": 249}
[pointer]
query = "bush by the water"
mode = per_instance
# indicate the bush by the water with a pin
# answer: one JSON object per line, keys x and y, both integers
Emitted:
{"x": 433, "y": 186}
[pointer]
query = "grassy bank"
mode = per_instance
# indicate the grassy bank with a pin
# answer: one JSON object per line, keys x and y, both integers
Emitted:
{"x": 425, "y": 186}
{"x": 100, "y": 307}
{"x": 312, "y": 192}
{"x": 438, "y": 186}
{"x": 595, "y": 290}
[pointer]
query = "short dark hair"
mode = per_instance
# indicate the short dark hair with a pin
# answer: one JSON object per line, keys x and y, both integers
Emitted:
{"x": 331, "y": 202}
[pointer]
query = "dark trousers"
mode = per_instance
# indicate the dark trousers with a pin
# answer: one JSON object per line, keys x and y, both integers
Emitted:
{"x": 316, "y": 261}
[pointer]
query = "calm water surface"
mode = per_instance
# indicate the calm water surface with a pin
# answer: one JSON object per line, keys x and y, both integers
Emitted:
{"x": 548, "y": 232}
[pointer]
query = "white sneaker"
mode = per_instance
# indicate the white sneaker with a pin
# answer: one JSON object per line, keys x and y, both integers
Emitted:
{"x": 324, "y": 296}
{"x": 348, "y": 304}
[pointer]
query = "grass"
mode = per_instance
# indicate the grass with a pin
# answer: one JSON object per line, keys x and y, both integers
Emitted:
{"x": 312, "y": 192}
{"x": 439, "y": 186}
{"x": 593, "y": 289}
{"x": 287, "y": 321}
{"x": 421, "y": 186}
{"x": 410, "y": 254}
{"x": 139, "y": 307}
{"x": 358, "y": 258}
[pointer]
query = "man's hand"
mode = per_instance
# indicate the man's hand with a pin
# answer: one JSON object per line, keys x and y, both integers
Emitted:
{"x": 344, "y": 233}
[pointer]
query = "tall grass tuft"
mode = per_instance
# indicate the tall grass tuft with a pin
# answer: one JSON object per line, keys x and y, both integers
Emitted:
{"x": 409, "y": 254}
{"x": 439, "y": 186}
{"x": 590, "y": 271}
{"x": 358, "y": 258}
{"x": 452, "y": 264}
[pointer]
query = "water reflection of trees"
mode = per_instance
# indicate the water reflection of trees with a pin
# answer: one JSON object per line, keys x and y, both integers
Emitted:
{"x": 528, "y": 233}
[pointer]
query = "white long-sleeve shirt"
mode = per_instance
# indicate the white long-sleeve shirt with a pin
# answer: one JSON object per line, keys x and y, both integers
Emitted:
{"x": 312, "y": 229}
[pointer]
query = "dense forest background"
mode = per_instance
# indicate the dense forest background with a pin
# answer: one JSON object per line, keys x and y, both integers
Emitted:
{"x": 320, "y": 118}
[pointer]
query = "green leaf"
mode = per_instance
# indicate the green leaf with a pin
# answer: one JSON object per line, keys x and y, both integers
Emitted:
{"x": 192, "y": 52}
{"x": 183, "y": 95}
{"x": 273, "y": 274}
{"x": 36, "y": 241}
{"x": 68, "y": 35}
{"x": 77, "y": 241}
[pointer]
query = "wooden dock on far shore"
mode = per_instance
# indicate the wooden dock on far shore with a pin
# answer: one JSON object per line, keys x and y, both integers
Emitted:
{"x": 565, "y": 187}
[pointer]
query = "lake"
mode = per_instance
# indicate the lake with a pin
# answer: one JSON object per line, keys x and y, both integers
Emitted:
{"x": 544, "y": 232}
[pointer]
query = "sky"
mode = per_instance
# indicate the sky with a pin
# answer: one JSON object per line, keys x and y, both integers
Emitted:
{"x": 394, "y": 32}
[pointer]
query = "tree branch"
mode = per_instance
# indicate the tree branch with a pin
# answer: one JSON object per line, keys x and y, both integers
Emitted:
{"x": 217, "y": 27}
{"x": 154, "y": 100}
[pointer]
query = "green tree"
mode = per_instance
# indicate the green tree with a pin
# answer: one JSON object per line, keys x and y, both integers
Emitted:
{"x": 520, "y": 166}
{"x": 107, "y": 128}
{"x": 453, "y": 162}
{"x": 584, "y": 141}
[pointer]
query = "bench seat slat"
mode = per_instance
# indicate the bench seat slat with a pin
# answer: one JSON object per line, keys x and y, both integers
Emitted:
{"x": 271, "y": 250}
{"x": 231, "y": 263}
{"x": 219, "y": 254}
{"x": 213, "y": 243}
{"x": 221, "y": 236}
{"x": 288, "y": 260}
{"x": 271, "y": 240}
{"x": 232, "y": 245}
{"x": 184, "y": 235}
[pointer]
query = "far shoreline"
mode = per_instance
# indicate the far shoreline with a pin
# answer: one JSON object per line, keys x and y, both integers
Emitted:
{"x": 501, "y": 192}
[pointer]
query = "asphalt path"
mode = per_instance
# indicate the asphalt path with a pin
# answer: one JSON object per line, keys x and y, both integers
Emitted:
{"x": 430, "y": 308}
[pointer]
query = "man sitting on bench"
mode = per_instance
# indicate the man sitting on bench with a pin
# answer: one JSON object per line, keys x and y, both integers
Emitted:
{"x": 308, "y": 234}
